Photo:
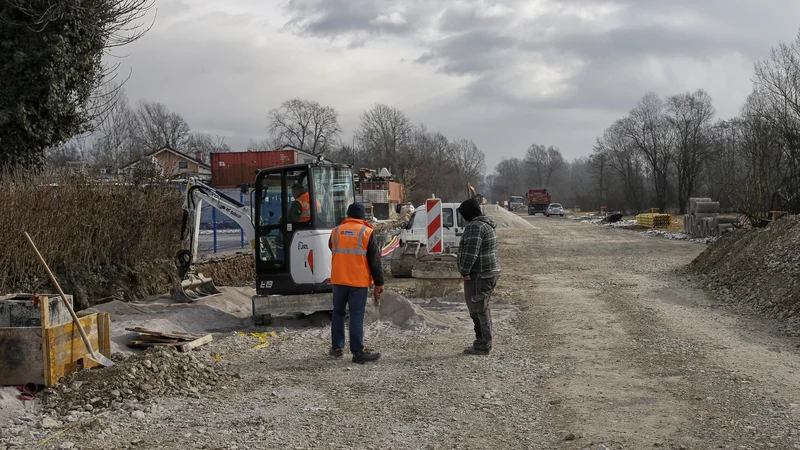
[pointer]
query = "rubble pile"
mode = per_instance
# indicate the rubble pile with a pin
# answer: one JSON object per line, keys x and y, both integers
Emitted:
{"x": 759, "y": 267}
{"x": 132, "y": 382}
{"x": 680, "y": 236}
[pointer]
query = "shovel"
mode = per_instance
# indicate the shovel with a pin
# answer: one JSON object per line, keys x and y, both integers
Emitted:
{"x": 92, "y": 355}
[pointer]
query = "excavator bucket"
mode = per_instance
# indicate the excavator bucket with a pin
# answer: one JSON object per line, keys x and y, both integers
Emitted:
{"x": 404, "y": 257}
{"x": 193, "y": 288}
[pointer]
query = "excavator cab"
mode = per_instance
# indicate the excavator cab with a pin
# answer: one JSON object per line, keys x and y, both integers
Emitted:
{"x": 295, "y": 209}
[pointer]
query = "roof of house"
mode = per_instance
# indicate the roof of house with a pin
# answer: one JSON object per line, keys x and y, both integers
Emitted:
{"x": 169, "y": 149}
{"x": 292, "y": 147}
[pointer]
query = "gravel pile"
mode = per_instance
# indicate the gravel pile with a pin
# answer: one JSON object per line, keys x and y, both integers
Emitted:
{"x": 504, "y": 218}
{"x": 759, "y": 267}
{"x": 132, "y": 382}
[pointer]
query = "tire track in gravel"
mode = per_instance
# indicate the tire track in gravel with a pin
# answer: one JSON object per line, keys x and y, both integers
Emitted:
{"x": 649, "y": 364}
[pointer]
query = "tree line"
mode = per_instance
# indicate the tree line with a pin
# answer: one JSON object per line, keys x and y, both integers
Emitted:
{"x": 666, "y": 150}
{"x": 426, "y": 162}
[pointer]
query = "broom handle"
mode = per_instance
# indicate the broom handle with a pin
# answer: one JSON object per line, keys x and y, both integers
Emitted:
{"x": 63, "y": 297}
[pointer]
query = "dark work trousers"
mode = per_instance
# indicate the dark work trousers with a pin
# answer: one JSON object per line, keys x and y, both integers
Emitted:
{"x": 356, "y": 298}
{"x": 478, "y": 292}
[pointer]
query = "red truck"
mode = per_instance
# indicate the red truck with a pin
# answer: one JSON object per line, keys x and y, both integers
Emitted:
{"x": 538, "y": 201}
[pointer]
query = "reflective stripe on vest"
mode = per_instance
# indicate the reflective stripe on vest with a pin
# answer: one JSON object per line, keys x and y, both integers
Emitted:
{"x": 349, "y": 251}
{"x": 349, "y": 242}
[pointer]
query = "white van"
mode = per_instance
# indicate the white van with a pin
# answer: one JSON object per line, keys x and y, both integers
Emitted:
{"x": 452, "y": 226}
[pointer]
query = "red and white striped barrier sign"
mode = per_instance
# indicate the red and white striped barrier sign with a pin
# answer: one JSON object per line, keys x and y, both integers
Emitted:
{"x": 433, "y": 209}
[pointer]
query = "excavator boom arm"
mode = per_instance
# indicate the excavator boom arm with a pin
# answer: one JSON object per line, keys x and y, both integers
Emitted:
{"x": 197, "y": 191}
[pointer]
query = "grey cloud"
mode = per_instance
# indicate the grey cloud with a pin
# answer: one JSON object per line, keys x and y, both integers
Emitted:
{"x": 352, "y": 19}
{"x": 474, "y": 51}
{"x": 486, "y": 47}
{"x": 458, "y": 19}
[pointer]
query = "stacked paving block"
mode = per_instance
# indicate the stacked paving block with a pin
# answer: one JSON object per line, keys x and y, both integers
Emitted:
{"x": 703, "y": 219}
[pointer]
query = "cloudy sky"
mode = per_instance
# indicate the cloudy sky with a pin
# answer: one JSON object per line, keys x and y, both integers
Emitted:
{"x": 505, "y": 74}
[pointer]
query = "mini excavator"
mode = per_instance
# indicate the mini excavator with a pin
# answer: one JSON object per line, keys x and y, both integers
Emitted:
{"x": 291, "y": 257}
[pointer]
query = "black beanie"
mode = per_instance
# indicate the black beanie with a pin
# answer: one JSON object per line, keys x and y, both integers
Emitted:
{"x": 357, "y": 211}
{"x": 470, "y": 209}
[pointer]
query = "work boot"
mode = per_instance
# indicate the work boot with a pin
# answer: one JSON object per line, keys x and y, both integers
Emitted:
{"x": 336, "y": 352}
{"x": 366, "y": 356}
{"x": 478, "y": 349}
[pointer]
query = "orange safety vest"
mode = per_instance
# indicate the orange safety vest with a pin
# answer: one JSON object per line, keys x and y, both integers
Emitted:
{"x": 305, "y": 208}
{"x": 349, "y": 265}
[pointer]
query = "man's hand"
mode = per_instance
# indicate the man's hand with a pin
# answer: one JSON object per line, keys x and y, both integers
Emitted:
{"x": 377, "y": 294}
{"x": 467, "y": 278}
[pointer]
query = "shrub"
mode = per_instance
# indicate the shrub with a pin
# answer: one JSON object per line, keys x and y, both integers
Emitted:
{"x": 101, "y": 239}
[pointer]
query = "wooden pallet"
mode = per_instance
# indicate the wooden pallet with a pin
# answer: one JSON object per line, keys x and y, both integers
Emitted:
{"x": 184, "y": 342}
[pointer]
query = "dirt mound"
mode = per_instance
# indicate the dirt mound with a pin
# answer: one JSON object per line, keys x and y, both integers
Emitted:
{"x": 759, "y": 267}
{"x": 229, "y": 270}
{"x": 504, "y": 218}
{"x": 403, "y": 313}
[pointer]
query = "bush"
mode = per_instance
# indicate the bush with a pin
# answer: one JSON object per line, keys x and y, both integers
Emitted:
{"x": 101, "y": 239}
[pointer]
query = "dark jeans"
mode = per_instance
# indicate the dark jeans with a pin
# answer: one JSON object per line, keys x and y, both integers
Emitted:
{"x": 357, "y": 299}
{"x": 477, "y": 292}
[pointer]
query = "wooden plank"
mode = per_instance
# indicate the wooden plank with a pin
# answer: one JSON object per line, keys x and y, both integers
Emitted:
{"x": 173, "y": 334}
{"x": 21, "y": 356}
{"x": 44, "y": 311}
{"x": 196, "y": 343}
{"x": 44, "y": 308}
{"x": 66, "y": 348}
{"x": 146, "y": 344}
{"x": 104, "y": 333}
{"x": 152, "y": 338}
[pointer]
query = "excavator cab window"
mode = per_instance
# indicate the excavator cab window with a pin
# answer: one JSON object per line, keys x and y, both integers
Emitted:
{"x": 333, "y": 192}
{"x": 270, "y": 250}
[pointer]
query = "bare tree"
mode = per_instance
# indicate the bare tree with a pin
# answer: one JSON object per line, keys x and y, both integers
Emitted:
{"x": 383, "y": 132}
{"x": 113, "y": 145}
{"x": 690, "y": 117}
{"x": 468, "y": 160}
{"x": 765, "y": 159}
{"x": 305, "y": 124}
{"x": 545, "y": 161}
{"x": 511, "y": 178}
{"x": 157, "y": 127}
{"x": 621, "y": 155}
{"x": 206, "y": 144}
{"x": 598, "y": 164}
{"x": 647, "y": 128}
{"x": 777, "y": 86}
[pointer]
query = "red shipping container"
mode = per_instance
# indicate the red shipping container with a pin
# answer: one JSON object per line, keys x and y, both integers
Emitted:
{"x": 231, "y": 170}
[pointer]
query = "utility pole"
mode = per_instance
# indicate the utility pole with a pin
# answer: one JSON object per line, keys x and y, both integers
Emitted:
{"x": 354, "y": 152}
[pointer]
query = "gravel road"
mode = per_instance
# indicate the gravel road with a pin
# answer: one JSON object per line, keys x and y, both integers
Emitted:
{"x": 599, "y": 346}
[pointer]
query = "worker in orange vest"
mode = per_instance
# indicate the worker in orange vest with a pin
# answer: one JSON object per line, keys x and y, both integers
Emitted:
{"x": 356, "y": 266}
{"x": 300, "y": 209}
